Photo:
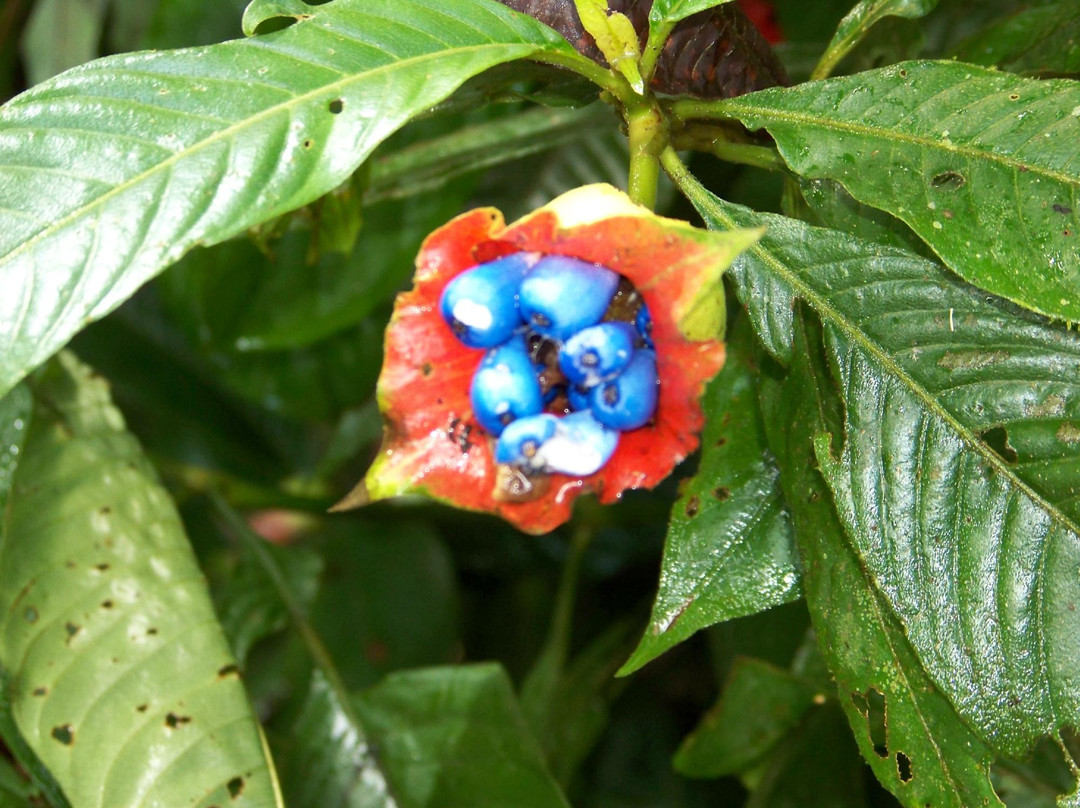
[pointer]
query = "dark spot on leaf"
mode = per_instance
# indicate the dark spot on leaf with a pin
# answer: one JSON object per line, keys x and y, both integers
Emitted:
{"x": 1014, "y": 96}
{"x": 31, "y": 614}
{"x": 1062, "y": 209}
{"x": 948, "y": 180}
{"x": 692, "y": 506}
{"x": 70, "y": 565}
{"x": 336, "y": 106}
{"x": 903, "y": 73}
{"x": 226, "y": 671}
{"x": 64, "y": 733}
{"x": 1066, "y": 233}
{"x": 998, "y": 440}
{"x": 721, "y": 441}
{"x": 106, "y": 604}
{"x": 722, "y": 493}
{"x": 308, "y": 143}
{"x": 71, "y": 630}
{"x": 41, "y": 691}
{"x": 903, "y": 767}
{"x": 236, "y": 787}
{"x": 142, "y": 708}
{"x": 105, "y": 511}
{"x": 102, "y": 567}
{"x": 172, "y": 720}
{"x": 151, "y": 631}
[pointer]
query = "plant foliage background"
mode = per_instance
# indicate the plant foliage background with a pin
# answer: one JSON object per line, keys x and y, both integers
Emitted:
{"x": 862, "y": 591}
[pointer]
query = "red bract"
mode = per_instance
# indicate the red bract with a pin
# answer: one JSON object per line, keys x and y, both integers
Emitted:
{"x": 433, "y": 444}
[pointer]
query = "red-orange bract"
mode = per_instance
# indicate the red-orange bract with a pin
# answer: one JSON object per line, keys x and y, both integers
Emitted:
{"x": 432, "y": 444}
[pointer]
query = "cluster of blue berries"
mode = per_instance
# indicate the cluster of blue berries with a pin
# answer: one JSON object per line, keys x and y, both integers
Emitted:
{"x": 570, "y": 362}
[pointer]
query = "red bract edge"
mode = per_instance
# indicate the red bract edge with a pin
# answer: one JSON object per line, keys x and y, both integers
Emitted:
{"x": 432, "y": 444}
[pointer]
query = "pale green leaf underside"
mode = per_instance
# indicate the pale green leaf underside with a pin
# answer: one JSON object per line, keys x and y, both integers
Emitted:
{"x": 977, "y": 555}
{"x": 113, "y": 170}
{"x": 122, "y": 681}
{"x": 984, "y": 166}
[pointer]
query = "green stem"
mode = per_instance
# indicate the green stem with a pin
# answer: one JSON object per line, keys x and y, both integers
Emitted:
{"x": 653, "y": 48}
{"x": 760, "y": 156}
{"x": 647, "y": 140}
{"x": 319, "y": 653}
{"x": 831, "y": 58}
{"x": 543, "y": 680}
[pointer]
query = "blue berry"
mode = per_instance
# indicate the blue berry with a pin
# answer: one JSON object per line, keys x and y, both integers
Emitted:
{"x": 480, "y": 304}
{"x": 563, "y": 295}
{"x": 643, "y": 321}
{"x": 505, "y": 386}
{"x": 597, "y": 353}
{"x": 629, "y": 400}
{"x": 520, "y": 442}
{"x": 576, "y": 445}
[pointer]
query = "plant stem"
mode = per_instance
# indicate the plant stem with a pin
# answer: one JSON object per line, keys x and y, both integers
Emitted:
{"x": 653, "y": 48}
{"x": 543, "y": 680}
{"x": 760, "y": 156}
{"x": 647, "y": 140}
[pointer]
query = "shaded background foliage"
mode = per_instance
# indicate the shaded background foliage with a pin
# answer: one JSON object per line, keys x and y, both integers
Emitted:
{"x": 387, "y": 650}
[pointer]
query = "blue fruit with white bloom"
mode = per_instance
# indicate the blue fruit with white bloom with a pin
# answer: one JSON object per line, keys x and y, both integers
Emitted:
{"x": 598, "y": 353}
{"x": 505, "y": 387}
{"x": 561, "y": 295}
{"x": 520, "y": 443}
{"x": 576, "y": 445}
{"x": 643, "y": 322}
{"x": 481, "y": 306}
{"x": 629, "y": 400}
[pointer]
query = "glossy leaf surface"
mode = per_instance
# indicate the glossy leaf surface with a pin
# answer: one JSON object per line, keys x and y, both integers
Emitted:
{"x": 115, "y": 169}
{"x": 983, "y": 166}
{"x": 667, "y": 12}
{"x": 326, "y": 760}
{"x": 729, "y": 549}
{"x": 966, "y": 510}
{"x": 863, "y": 643}
{"x": 122, "y": 682}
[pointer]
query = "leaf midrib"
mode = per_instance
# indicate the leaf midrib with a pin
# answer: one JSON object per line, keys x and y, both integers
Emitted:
{"x": 239, "y": 126}
{"x": 880, "y": 355}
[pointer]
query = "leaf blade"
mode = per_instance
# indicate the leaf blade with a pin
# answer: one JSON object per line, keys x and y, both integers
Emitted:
{"x": 905, "y": 313}
{"x": 994, "y": 154}
{"x": 124, "y": 686}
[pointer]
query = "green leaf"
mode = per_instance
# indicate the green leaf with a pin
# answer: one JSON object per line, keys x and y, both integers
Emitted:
{"x": 858, "y": 22}
{"x": 121, "y": 681}
{"x": 729, "y": 549}
{"x": 669, "y": 12}
{"x": 863, "y": 643}
{"x": 294, "y": 113}
{"x": 15, "y": 791}
{"x": 831, "y": 206}
{"x": 325, "y": 761}
{"x": 388, "y": 598}
{"x": 759, "y": 705}
{"x": 956, "y": 482}
{"x": 980, "y": 164}
{"x": 817, "y": 766}
{"x": 16, "y": 409}
{"x": 454, "y": 736}
{"x": 1044, "y": 40}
